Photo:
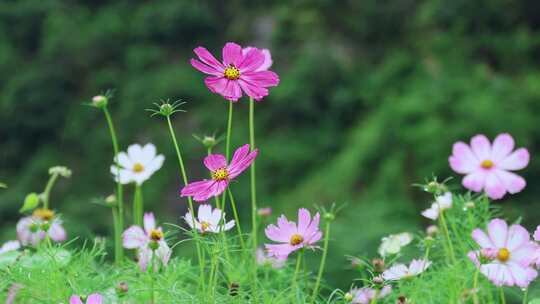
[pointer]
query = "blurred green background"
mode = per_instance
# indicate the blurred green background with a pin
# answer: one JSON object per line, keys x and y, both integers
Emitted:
{"x": 372, "y": 96}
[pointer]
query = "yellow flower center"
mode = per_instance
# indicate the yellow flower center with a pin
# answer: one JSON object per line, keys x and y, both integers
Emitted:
{"x": 296, "y": 239}
{"x": 231, "y": 73}
{"x": 220, "y": 174}
{"x": 204, "y": 225}
{"x": 138, "y": 168}
{"x": 487, "y": 164}
{"x": 43, "y": 214}
{"x": 156, "y": 235}
{"x": 503, "y": 255}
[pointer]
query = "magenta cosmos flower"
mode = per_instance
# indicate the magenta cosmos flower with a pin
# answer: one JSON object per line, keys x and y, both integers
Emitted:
{"x": 292, "y": 236}
{"x": 222, "y": 173}
{"x": 506, "y": 254}
{"x": 241, "y": 70}
{"x": 487, "y": 167}
{"x": 148, "y": 242}
{"x": 92, "y": 299}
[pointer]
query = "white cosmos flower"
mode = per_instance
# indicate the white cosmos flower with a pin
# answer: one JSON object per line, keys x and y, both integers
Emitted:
{"x": 441, "y": 203}
{"x": 208, "y": 220}
{"x": 392, "y": 244}
{"x": 400, "y": 271}
{"x": 137, "y": 165}
{"x": 10, "y": 246}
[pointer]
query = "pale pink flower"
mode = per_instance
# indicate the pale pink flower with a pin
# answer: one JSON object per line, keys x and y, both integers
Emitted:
{"x": 537, "y": 233}
{"x": 365, "y": 295}
{"x": 147, "y": 241}
{"x": 266, "y": 211}
{"x": 43, "y": 222}
{"x": 239, "y": 72}
{"x": 292, "y": 236}
{"x": 10, "y": 246}
{"x": 264, "y": 259}
{"x": 505, "y": 255}
{"x": 402, "y": 271}
{"x": 208, "y": 220}
{"x": 442, "y": 202}
{"x": 92, "y": 299}
{"x": 222, "y": 173}
{"x": 487, "y": 166}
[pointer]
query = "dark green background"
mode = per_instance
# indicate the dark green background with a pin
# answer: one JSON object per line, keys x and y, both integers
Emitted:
{"x": 372, "y": 96}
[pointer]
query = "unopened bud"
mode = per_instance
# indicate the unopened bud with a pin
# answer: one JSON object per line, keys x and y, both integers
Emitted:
{"x": 209, "y": 141}
{"x": 356, "y": 262}
{"x": 402, "y": 300}
{"x": 348, "y": 297}
{"x": 264, "y": 212}
{"x": 469, "y": 205}
{"x": 122, "y": 288}
{"x": 329, "y": 216}
{"x": 60, "y": 170}
{"x": 100, "y": 101}
{"x": 432, "y": 230}
{"x": 435, "y": 187}
{"x": 111, "y": 200}
{"x": 378, "y": 265}
{"x": 378, "y": 280}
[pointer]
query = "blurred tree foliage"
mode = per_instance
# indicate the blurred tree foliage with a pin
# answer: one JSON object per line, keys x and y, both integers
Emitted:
{"x": 372, "y": 96}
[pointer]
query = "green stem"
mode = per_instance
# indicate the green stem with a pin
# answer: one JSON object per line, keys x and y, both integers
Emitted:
{"x": 190, "y": 201}
{"x": 253, "y": 194}
{"x": 447, "y": 235}
{"x": 501, "y": 293}
{"x": 138, "y": 206}
{"x": 475, "y": 286}
{"x": 47, "y": 191}
{"x": 229, "y": 129}
{"x": 118, "y": 249}
{"x": 297, "y": 270}
{"x": 323, "y": 261}
{"x": 375, "y": 297}
{"x": 525, "y": 294}
{"x": 222, "y": 231}
{"x": 152, "y": 274}
{"x": 237, "y": 220}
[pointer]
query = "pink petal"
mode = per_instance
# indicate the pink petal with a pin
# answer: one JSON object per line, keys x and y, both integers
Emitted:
{"x": 312, "y": 233}
{"x": 519, "y": 275}
{"x": 232, "y": 54}
{"x": 304, "y": 218}
{"x": 149, "y": 222}
{"x": 481, "y": 147}
{"x": 482, "y": 239}
{"x": 277, "y": 235}
{"x": 57, "y": 232}
{"x": 537, "y": 233}
{"x": 163, "y": 253}
{"x": 241, "y": 160}
{"x": 226, "y": 88}
{"x": 286, "y": 226}
{"x": 473, "y": 256}
{"x": 261, "y": 79}
{"x": 207, "y": 58}
{"x": 515, "y": 161}
{"x": 280, "y": 251}
{"x": 216, "y": 188}
{"x": 144, "y": 256}
{"x": 252, "y": 90}
{"x": 206, "y": 68}
{"x": 75, "y": 300}
{"x": 502, "y": 146}
{"x": 267, "y": 58}
{"x": 498, "y": 232}
{"x": 512, "y": 182}
{"x": 495, "y": 189}
{"x": 252, "y": 61}
{"x": 94, "y": 299}
{"x": 215, "y": 161}
{"x": 517, "y": 237}
{"x": 197, "y": 188}
{"x": 232, "y": 91}
{"x": 524, "y": 254}
{"x": 475, "y": 181}
{"x": 134, "y": 237}
{"x": 463, "y": 159}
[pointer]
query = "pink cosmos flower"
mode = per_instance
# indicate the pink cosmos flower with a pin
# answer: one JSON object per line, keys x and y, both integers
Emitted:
{"x": 366, "y": 295}
{"x": 222, "y": 173}
{"x": 401, "y": 271}
{"x": 292, "y": 236}
{"x": 264, "y": 259}
{"x": 148, "y": 242}
{"x": 241, "y": 70}
{"x": 43, "y": 222}
{"x": 487, "y": 166}
{"x": 505, "y": 255}
{"x": 92, "y": 299}
{"x": 208, "y": 220}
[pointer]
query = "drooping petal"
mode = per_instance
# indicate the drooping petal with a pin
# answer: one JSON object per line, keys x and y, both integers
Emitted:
{"x": 149, "y": 222}
{"x": 207, "y": 58}
{"x": 94, "y": 299}
{"x": 502, "y": 146}
{"x": 475, "y": 181}
{"x": 495, "y": 189}
{"x": 512, "y": 182}
{"x": 134, "y": 237}
{"x": 518, "y": 160}
{"x": 432, "y": 212}
{"x": 232, "y": 54}
{"x": 163, "y": 253}
{"x": 481, "y": 147}
{"x": 57, "y": 232}
{"x": 252, "y": 61}
{"x": 229, "y": 225}
{"x": 215, "y": 161}
{"x": 482, "y": 239}
{"x": 498, "y": 232}
{"x": 280, "y": 251}
{"x": 144, "y": 256}
{"x": 75, "y": 300}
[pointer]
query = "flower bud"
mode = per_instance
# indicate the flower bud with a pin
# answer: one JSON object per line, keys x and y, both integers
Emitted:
{"x": 378, "y": 265}
{"x": 402, "y": 300}
{"x": 153, "y": 245}
{"x": 233, "y": 289}
{"x": 166, "y": 109}
{"x": 435, "y": 187}
{"x": 378, "y": 280}
{"x": 469, "y": 205}
{"x": 356, "y": 262}
{"x": 348, "y": 297}
{"x": 111, "y": 200}
{"x": 209, "y": 141}
{"x": 264, "y": 212}
{"x": 100, "y": 101}
{"x": 60, "y": 170}
{"x": 432, "y": 230}
{"x": 122, "y": 288}
{"x": 329, "y": 216}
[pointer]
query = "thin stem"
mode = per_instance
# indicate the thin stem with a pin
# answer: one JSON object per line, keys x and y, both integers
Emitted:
{"x": 447, "y": 235}
{"x": 229, "y": 130}
{"x": 475, "y": 286}
{"x": 222, "y": 230}
{"x": 152, "y": 278}
{"x": 117, "y": 231}
{"x": 138, "y": 206}
{"x": 525, "y": 294}
{"x": 297, "y": 269}
{"x": 375, "y": 297}
{"x": 253, "y": 194}
{"x": 47, "y": 191}
{"x": 237, "y": 220}
{"x": 501, "y": 293}
{"x": 190, "y": 201}
{"x": 118, "y": 249}
{"x": 323, "y": 261}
